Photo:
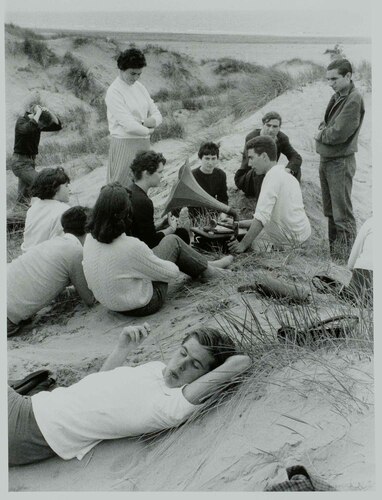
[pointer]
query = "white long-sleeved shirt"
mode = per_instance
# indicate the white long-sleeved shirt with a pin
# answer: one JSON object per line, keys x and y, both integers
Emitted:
{"x": 280, "y": 208}
{"x": 120, "y": 273}
{"x": 126, "y": 401}
{"x": 43, "y": 222}
{"x": 127, "y": 108}
{"x": 36, "y": 277}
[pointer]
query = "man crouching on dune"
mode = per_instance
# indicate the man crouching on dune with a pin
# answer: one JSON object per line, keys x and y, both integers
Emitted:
{"x": 121, "y": 401}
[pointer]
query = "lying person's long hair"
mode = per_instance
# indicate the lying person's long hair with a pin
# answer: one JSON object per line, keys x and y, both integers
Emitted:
{"x": 111, "y": 215}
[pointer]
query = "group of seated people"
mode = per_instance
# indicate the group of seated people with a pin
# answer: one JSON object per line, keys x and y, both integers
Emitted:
{"x": 115, "y": 254}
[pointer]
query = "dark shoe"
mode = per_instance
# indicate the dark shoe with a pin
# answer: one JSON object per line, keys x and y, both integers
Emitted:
{"x": 26, "y": 385}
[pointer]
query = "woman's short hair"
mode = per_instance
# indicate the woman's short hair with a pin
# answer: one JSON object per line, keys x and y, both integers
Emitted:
{"x": 208, "y": 148}
{"x": 111, "y": 215}
{"x": 74, "y": 220}
{"x": 48, "y": 182}
{"x": 343, "y": 66}
{"x": 146, "y": 160}
{"x": 220, "y": 346}
{"x": 271, "y": 115}
{"x": 131, "y": 58}
{"x": 263, "y": 144}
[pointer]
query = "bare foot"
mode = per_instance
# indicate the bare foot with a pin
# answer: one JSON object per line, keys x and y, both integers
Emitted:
{"x": 214, "y": 273}
{"x": 222, "y": 263}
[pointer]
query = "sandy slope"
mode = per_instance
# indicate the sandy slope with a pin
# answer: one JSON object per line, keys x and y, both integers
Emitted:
{"x": 246, "y": 444}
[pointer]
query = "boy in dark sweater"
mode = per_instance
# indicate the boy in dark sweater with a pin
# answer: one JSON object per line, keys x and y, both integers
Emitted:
{"x": 209, "y": 176}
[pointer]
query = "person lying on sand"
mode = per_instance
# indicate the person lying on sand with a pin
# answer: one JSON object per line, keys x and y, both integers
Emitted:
{"x": 280, "y": 209}
{"x": 28, "y": 130}
{"x": 246, "y": 178}
{"x": 124, "y": 274}
{"x": 147, "y": 168}
{"x": 122, "y": 401}
{"x": 36, "y": 277}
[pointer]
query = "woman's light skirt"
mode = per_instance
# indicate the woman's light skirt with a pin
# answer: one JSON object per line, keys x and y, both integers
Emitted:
{"x": 121, "y": 155}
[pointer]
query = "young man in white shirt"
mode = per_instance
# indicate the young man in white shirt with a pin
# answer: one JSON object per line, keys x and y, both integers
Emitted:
{"x": 121, "y": 401}
{"x": 36, "y": 277}
{"x": 280, "y": 209}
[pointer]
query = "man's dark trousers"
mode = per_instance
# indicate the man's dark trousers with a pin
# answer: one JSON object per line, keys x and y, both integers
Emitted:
{"x": 336, "y": 177}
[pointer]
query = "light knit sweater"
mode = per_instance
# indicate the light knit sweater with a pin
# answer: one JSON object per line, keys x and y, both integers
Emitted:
{"x": 280, "y": 208}
{"x": 120, "y": 273}
{"x": 127, "y": 108}
{"x": 361, "y": 256}
{"x": 43, "y": 222}
{"x": 36, "y": 277}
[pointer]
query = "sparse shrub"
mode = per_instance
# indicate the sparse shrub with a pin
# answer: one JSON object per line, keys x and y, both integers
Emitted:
{"x": 168, "y": 129}
{"x": 191, "y": 104}
{"x": 363, "y": 72}
{"x": 20, "y": 32}
{"x": 336, "y": 52}
{"x": 175, "y": 71}
{"x": 38, "y": 51}
{"x": 154, "y": 49}
{"x": 79, "y": 79}
{"x": 227, "y": 65}
{"x": 79, "y": 41}
{"x": 254, "y": 93}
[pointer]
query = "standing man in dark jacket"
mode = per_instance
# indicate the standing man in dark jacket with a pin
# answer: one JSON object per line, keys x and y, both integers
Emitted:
{"x": 336, "y": 143}
{"x": 246, "y": 178}
{"x": 27, "y": 138}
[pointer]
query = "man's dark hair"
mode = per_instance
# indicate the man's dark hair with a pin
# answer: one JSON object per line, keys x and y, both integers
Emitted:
{"x": 208, "y": 148}
{"x": 343, "y": 66}
{"x": 45, "y": 119}
{"x": 263, "y": 144}
{"x": 220, "y": 346}
{"x": 48, "y": 182}
{"x": 146, "y": 160}
{"x": 131, "y": 58}
{"x": 271, "y": 115}
{"x": 111, "y": 215}
{"x": 74, "y": 220}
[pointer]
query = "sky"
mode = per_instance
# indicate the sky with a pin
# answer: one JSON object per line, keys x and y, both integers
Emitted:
{"x": 185, "y": 5}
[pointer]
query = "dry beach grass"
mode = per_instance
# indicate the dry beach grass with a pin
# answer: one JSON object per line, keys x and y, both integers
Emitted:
{"x": 312, "y": 403}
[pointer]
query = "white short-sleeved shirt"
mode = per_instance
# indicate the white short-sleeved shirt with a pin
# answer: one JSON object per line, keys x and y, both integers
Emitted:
{"x": 43, "y": 222}
{"x": 126, "y": 401}
{"x": 361, "y": 256}
{"x": 280, "y": 208}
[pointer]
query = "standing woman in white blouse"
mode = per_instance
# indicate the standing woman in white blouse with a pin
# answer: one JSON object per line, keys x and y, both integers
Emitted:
{"x": 132, "y": 116}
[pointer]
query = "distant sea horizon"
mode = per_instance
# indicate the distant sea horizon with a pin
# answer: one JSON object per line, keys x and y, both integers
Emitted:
{"x": 234, "y": 23}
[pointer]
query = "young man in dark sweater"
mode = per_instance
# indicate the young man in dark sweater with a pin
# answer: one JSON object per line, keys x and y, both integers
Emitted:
{"x": 245, "y": 178}
{"x": 28, "y": 129}
{"x": 147, "y": 168}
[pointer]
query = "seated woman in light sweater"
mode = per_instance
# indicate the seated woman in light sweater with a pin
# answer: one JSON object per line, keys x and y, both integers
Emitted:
{"x": 50, "y": 196}
{"x": 124, "y": 274}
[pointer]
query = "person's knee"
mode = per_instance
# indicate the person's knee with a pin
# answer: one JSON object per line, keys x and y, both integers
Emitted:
{"x": 172, "y": 239}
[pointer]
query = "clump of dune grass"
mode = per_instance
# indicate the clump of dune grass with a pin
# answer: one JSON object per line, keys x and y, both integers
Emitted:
{"x": 363, "y": 73}
{"x": 168, "y": 129}
{"x": 80, "y": 41}
{"x": 38, "y": 51}
{"x": 227, "y": 65}
{"x": 53, "y": 152}
{"x": 20, "y": 32}
{"x": 253, "y": 93}
{"x": 174, "y": 71}
{"x": 78, "y": 78}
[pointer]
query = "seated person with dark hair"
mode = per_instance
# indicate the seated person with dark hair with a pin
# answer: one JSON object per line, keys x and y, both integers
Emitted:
{"x": 36, "y": 277}
{"x": 280, "y": 208}
{"x": 246, "y": 178}
{"x": 147, "y": 168}
{"x": 122, "y": 401}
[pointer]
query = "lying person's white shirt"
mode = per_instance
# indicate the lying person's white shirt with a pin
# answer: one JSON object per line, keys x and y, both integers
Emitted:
{"x": 126, "y": 401}
{"x": 280, "y": 208}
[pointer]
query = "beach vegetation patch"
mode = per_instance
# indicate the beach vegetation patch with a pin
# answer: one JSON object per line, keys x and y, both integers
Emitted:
{"x": 38, "y": 51}
{"x": 168, "y": 129}
{"x": 80, "y": 41}
{"x": 227, "y": 65}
